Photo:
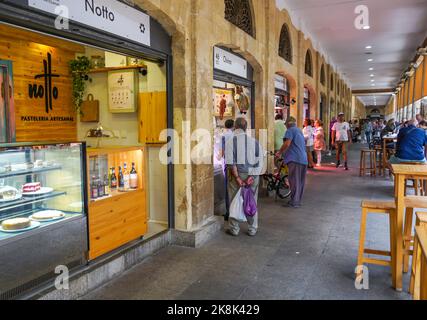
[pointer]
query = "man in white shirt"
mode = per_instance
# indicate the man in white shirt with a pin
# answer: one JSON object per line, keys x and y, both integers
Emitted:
{"x": 341, "y": 136}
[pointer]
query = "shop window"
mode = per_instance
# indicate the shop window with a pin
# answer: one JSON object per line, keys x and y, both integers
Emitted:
{"x": 322, "y": 75}
{"x": 239, "y": 13}
{"x": 308, "y": 64}
{"x": 285, "y": 44}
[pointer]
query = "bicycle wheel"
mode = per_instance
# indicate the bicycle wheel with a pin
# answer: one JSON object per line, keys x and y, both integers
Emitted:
{"x": 282, "y": 190}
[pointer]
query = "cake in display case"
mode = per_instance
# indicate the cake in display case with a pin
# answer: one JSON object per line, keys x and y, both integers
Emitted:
{"x": 39, "y": 185}
{"x": 43, "y": 212}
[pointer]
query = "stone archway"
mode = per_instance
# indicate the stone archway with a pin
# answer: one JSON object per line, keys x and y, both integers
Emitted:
{"x": 293, "y": 91}
{"x": 313, "y": 107}
{"x": 260, "y": 96}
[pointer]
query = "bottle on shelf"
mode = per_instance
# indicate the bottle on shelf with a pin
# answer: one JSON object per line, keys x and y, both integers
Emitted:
{"x": 121, "y": 181}
{"x": 93, "y": 189}
{"x": 106, "y": 185}
{"x": 133, "y": 177}
{"x": 101, "y": 189}
{"x": 113, "y": 184}
{"x": 126, "y": 178}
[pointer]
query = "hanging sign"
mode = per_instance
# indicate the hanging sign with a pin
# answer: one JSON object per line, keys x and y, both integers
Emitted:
{"x": 280, "y": 83}
{"x": 228, "y": 62}
{"x": 110, "y": 16}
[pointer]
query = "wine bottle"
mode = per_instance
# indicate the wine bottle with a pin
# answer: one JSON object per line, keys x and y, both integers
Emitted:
{"x": 100, "y": 187}
{"x": 126, "y": 178}
{"x": 106, "y": 185}
{"x": 113, "y": 184}
{"x": 93, "y": 189}
{"x": 133, "y": 177}
{"x": 121, "y": 180}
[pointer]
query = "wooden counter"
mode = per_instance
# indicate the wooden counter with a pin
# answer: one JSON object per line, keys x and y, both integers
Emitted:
{"x": 121, "y": 217}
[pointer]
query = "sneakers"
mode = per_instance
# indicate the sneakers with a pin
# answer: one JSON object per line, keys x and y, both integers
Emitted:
{"x": 291, "y": 205}
{"x": 338, "y": 164}
{"x": 252, "y": 233}
{"x": 231, "y": 233}
{"x": 346, "y": 166}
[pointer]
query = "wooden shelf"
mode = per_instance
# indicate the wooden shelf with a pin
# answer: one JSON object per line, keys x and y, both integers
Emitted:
{"x": 102, "y": 70}
{"x": 113, "y": 194}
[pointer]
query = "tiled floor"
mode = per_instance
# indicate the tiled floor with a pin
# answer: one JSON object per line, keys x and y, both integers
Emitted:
{"x": 306, "y": 253}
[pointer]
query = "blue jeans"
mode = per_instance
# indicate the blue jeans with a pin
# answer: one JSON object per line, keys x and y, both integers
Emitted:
{"x": 368, "y": 137}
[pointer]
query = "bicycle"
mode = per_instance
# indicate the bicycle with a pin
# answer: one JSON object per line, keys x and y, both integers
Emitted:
{"x": 277, "y": 182}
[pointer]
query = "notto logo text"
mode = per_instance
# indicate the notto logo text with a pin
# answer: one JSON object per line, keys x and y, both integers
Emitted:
{"x": 100, "y": 11}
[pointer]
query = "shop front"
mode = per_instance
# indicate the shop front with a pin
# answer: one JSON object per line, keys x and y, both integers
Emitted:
{"x": 307, "y": 103}
{"x": 233, "y": 97}
{"x": 80, "y": 175}
{"x": 282, "y": 97}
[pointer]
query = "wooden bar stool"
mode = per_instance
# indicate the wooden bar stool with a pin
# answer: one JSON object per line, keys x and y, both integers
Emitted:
{"x": 379, "y": 160}
{"x": 411, "y": 202}
{"x": 414, "y": 286}
{"x": 372, "y": 162}
{"x": 377, "y": 207}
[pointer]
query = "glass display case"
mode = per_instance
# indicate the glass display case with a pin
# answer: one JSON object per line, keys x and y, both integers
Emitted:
{"x": 43, "y": 206}
{"x": 39, "y": 186}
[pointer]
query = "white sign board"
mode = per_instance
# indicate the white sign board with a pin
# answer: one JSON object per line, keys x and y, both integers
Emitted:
{"x": 228, "y": 62}
{"x": 280, "y": 83}
{"x": 108, "y": 15}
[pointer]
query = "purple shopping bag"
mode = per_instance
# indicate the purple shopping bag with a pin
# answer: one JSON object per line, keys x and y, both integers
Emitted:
{"x": 249, "y": 203}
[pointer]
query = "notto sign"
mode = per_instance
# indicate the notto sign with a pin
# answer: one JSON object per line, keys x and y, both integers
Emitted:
{"x": 47, "y": 91}
{"x": 110, "y": 16}
{"x": 100, "y": 11}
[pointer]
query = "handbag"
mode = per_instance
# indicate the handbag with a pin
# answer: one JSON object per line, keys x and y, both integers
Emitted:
{"x": 236, "y": 208}
{"x": 249, "y": 204}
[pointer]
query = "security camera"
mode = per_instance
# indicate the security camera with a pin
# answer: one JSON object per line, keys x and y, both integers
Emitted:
{"x": 143, "y": 71}
{"x": 293, "y": 101}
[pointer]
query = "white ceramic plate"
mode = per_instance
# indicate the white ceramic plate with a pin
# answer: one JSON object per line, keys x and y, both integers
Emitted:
{"x": 48, "y": 220}
{"x": 42, "y": 191}
{"x": 17, "y": 197}
{"x": 34, "y": 225}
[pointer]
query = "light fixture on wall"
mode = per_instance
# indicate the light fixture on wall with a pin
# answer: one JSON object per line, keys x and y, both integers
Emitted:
{"x": 293, "y": 101}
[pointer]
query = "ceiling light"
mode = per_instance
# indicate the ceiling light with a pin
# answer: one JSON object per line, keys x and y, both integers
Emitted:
{"x": 372, "y": 75}
{"x": 366, "y": 27}
{"x": 371, "y": 69}
{"x": 368, "y": 47}
{"x": 373, "y": 80}
{"x": 373, "y": 84}
{"x": 370, "y": 60}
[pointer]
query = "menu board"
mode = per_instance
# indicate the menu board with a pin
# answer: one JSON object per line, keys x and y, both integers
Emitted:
{"x": 121, "y": 91}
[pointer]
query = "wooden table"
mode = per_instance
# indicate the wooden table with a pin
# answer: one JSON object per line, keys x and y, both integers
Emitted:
{"x": 421, "y": 234}
{"x": 403, "y": 172}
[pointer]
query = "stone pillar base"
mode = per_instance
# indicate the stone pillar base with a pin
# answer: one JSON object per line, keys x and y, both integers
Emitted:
{"x": 197, "y": 238}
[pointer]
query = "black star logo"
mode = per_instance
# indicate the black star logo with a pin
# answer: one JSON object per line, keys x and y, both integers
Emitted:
{"x": 142, "y": 27}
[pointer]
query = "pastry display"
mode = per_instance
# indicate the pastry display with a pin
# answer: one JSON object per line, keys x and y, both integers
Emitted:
{"x": 38, "y": 164}
{"x": 16, "y": 224}
{"x": 31, "y": 187}
{"x": 22, "y": 166}
{"x": 47, "y": 215}
{"x": 8, "y": 193}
